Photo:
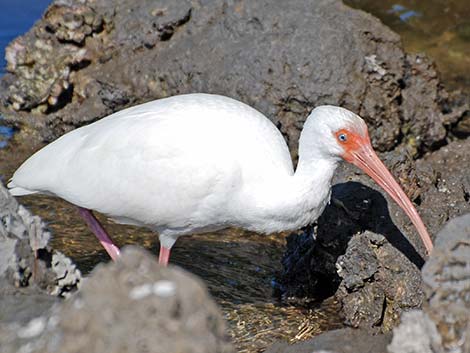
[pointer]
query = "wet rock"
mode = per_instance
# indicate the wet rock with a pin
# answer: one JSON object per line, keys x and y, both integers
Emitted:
{"x": 133, "y": 305}
{"x": 447, "y": 285}
{"x": 337, "y": 341}
{"x": 315, "y": 53}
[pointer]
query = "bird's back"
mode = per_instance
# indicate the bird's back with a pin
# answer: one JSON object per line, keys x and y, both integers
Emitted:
{"x": 171, "y": 162}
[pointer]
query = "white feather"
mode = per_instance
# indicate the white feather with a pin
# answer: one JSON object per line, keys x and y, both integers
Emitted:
{"x": 186, "y": 164}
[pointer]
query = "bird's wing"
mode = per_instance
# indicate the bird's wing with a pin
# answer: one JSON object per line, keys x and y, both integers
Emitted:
{"x": 164, "y": 159}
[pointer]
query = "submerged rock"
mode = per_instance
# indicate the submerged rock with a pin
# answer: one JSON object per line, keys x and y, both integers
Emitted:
{"x": 132, "y": 305}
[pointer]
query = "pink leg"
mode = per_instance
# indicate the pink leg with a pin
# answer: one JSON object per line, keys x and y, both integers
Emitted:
{"x": 164, "y": 256}
{"x": 99, "y": 231}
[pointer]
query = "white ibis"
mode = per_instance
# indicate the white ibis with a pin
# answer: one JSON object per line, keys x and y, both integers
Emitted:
{"x": 200, "y": 162}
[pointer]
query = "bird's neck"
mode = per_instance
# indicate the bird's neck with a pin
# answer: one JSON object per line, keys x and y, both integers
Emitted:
{"x": 311, "y": 186}
{"x": 293, "y": 201}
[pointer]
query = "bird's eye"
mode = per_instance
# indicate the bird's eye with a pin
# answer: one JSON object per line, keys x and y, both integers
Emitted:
{"x": 342, "y": 137}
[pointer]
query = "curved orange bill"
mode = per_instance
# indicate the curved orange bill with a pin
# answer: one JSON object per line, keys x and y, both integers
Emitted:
{"x": 365, "y": 158}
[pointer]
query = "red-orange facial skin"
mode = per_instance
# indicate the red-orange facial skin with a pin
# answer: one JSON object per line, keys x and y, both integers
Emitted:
{"x": 358, "y": 151}
{"x": 353, "y": 142}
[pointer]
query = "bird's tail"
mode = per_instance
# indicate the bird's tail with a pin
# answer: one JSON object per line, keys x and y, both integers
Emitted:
{"x": 18, "y": 190}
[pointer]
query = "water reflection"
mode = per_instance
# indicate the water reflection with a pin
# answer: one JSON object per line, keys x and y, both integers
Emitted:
{"x": 440, "y": 28}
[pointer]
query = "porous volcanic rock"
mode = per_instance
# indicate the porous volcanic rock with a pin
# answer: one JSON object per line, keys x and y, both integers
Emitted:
{"x": 32, "y": 275}
{"x": 25, "y": 257}
{"x": 283, "y": 60}
{"x": 447, "y": 284}
{"x": 443, "y": 325}
{"x": 358, "y": 254}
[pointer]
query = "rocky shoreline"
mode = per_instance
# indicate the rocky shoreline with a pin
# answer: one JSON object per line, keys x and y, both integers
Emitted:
{"x": 284, "y": 61}
{"x": 135, "y": 305}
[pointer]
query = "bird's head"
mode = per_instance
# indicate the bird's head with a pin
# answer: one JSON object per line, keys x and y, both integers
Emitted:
{"x": 341, "y": 134}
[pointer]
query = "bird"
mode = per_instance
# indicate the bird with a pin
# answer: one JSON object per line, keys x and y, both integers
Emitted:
{"x": 200, "y": 162}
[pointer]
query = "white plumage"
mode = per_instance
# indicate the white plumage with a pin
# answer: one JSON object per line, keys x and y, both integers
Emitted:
{"x": 192, "y": 163}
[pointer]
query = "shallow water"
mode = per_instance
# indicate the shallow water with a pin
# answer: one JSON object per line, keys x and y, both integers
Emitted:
{"x": 6, "y": 133}
{"x": 439, "y": 28}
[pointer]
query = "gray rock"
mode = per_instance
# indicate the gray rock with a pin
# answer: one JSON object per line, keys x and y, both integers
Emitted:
{"x": 32, "y": 275}
{"x": 444, "y": 184}
{"x": 417, "y": 333}
{"x": 447, "y": 284}
{"x": 385, "y": 283}
{"x": 19, "y": 305}
{"x": 132, "y": 305}
{"x": 25, "y": 258}
{"x": 283, "y": 61}
{"x": 444, "y": 323}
